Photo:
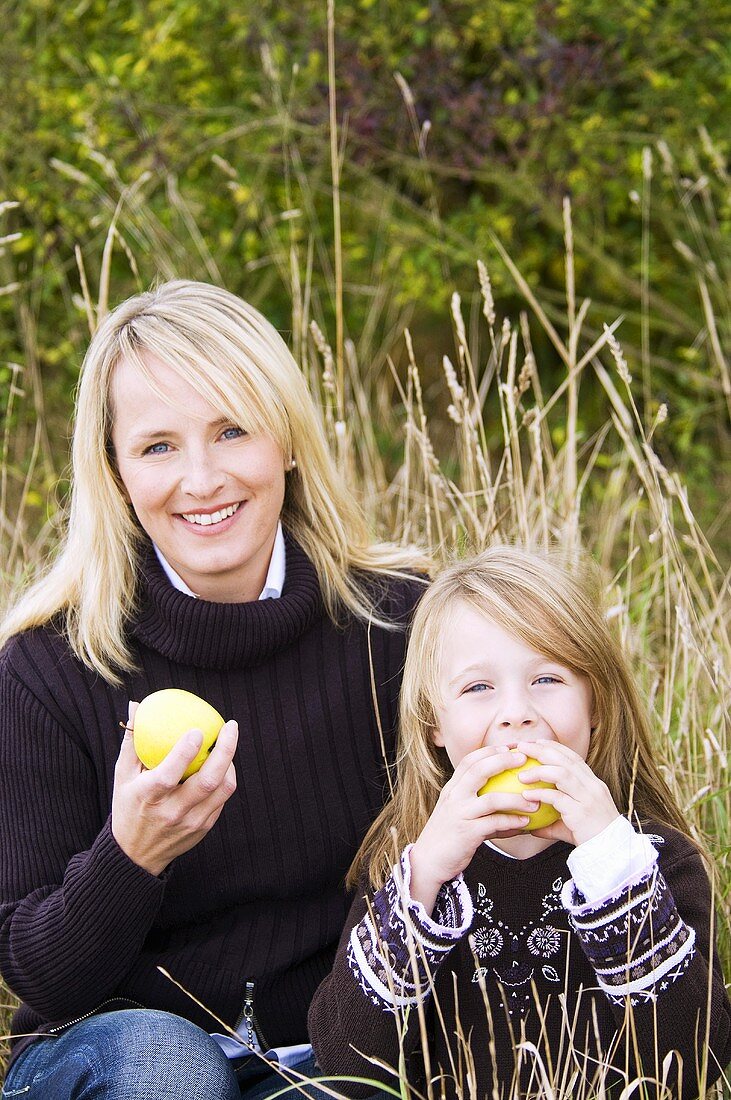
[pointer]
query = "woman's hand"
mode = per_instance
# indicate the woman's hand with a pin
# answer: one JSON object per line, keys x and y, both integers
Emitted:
{"x": 583, "y": 800}
{"x": 462, "y": 820}
{"x": 155, "y": 817}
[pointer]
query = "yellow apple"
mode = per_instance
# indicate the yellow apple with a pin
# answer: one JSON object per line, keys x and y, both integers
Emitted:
{"x": 164, "y": 716}
{"x": 509, "y": 783}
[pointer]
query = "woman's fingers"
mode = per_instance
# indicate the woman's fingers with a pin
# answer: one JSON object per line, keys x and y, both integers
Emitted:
{"x": 128, "y": 764}
{"x": 165, "y": 777}
{"x": 227, "y": 788}
{"x": 212, "y": 783}
{"x": 168, "y": 774}
{"x": 156, "y": 815}
{"x": 223, "y": 751}
{"x": 211, "y": 778}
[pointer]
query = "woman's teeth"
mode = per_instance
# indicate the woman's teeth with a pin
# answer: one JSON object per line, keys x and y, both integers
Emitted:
{"x": 208, "y": 518}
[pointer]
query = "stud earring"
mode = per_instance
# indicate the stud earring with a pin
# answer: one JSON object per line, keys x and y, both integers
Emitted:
{"x": 292, "y": 464}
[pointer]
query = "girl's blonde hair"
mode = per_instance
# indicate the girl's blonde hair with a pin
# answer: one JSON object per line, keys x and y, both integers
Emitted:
{"x": 239, "y": 363}
{"x": 555, "y": 609}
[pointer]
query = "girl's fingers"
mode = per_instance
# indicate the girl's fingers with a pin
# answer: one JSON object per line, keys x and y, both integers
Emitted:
{"x": 583, "y": 801}
{"x": 487, "y": 753}
{"x": 507, "y": 824}
{"x": 566, "y": 779}
{"x": 565, "y": 803}
{"x": 556, "y": 831}
{"x": 559, "y": 765}
{"x": 222, "y": 795}
{"x": 550, "y": 752}
{"x": 550, "y": 795}
{"x": 482, "y": 764}
{"x": 497, "y": 802}
{"x": 128, "y": 764}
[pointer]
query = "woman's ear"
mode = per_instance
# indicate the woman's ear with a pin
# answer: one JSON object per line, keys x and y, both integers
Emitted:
{"x": 437, "y": 738}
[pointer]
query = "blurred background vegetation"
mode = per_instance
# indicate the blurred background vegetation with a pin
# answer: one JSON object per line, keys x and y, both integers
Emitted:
{"x": 461, "y": 128}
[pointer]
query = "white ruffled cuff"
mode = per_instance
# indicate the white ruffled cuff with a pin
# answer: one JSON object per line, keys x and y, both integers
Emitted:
{"x": 615, "y": 857}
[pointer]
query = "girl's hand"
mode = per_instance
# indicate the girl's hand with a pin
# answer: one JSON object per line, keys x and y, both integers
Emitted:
{"x": 583, "y": 800}
{"x": 462, "y": 820}
{"x": 155, "y": 817}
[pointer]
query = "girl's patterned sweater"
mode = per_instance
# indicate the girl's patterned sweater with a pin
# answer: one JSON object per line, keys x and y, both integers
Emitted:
{"x": 521, "y": 979}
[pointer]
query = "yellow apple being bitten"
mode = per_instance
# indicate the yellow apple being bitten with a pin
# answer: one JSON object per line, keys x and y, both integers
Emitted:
{"x": 164, "y": 716}
{"x": 508, "y": 782}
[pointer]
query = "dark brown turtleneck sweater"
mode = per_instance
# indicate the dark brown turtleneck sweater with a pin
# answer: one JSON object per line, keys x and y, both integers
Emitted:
{"x": 261, "y": 898}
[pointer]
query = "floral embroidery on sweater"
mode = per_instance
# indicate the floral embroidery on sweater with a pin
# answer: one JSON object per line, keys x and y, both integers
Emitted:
{"x": 518, "y": 956}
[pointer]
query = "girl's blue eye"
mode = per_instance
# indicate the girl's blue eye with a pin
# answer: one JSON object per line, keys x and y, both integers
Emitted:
{"x": 477, "y": 687}
{"x": 548, "y": 680}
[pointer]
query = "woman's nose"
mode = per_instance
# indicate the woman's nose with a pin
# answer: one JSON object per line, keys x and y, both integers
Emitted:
{"x": 201, "y": 477}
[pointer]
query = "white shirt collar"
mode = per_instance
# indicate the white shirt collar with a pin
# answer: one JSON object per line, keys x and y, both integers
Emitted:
{"x": 500, "y": 852}
{"x": 273, "y": 584}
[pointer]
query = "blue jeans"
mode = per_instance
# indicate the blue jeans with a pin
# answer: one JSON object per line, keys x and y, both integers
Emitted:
{"x": 142, "y": 1054}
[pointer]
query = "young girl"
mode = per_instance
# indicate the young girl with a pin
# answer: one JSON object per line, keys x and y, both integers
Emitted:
{"x": 493, "y": 953}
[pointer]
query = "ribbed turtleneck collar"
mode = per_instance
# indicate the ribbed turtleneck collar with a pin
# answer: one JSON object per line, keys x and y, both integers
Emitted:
{"x": 225, "y": 635}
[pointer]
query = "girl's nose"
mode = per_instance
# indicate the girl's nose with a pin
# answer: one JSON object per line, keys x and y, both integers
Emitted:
{"x": 517, "y": 723}
{"x": 516, "y": 713}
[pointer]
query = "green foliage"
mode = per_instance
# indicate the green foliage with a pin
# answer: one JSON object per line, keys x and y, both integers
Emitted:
{"x": 459, "y": 121}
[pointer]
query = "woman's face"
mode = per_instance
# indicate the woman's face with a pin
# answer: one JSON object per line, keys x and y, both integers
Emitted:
{"x": 207, "y": 493}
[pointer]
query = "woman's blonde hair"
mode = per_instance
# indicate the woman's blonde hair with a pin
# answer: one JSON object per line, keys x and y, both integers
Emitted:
{"x": 238, "y": 362}
{"x": 555, "y": 609}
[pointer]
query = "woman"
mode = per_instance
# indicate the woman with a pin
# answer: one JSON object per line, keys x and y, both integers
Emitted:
{"x": 212, "y": 546}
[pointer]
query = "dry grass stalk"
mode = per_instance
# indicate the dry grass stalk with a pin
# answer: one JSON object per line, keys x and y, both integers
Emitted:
{"x": 542, "y": 483}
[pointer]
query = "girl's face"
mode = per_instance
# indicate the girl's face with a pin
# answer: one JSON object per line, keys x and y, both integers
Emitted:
{"x": 207, "y": 493}
{"x": 496, "y": 691}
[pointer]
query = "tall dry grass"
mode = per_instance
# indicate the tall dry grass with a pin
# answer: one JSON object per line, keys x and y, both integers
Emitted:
{"x": 491, "y": 455}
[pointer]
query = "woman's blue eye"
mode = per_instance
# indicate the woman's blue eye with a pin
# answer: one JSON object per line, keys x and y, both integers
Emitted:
{"x": 233, "y": 433}
{"x": 157, "y": 449}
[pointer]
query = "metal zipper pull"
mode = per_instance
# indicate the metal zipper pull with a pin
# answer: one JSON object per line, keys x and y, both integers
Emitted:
{"x": 254, "y": 1038}
{"x": 248, "y": 1015}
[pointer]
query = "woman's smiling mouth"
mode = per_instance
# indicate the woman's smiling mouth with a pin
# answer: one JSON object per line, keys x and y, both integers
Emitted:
{"x": 207, "y": 519}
